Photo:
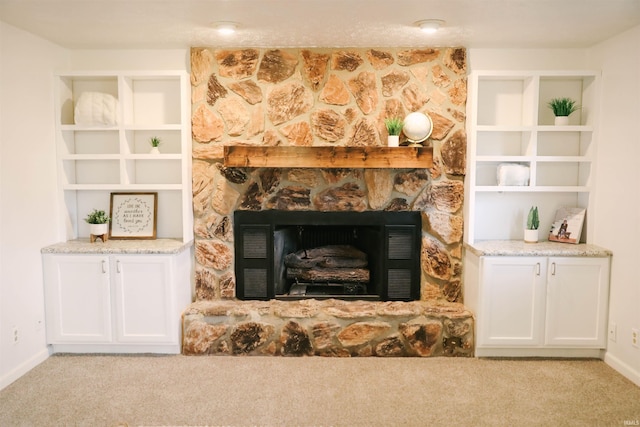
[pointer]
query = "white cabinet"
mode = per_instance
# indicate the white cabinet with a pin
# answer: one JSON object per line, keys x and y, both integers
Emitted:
{"x": 509, "y": 122}
{"x": 577, "y": 302}
{"x": 512, "y": 301}
{"x": 78, "y": 299}
{"x": 537, "y": 305}
{"x": 116, "y": 303}
{"x": 143, "y": 298}
{"x": 95, "y": 159}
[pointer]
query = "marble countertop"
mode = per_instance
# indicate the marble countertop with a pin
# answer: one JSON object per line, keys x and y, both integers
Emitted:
{"x": 520, "y": 248}
{"x": 83, "y": 246}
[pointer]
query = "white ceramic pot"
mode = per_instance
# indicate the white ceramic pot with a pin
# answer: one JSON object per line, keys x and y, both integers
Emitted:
{"x": 531, "y": 236}
{"x": 154, "y": 150}
{"x": 99, "y": 229}
{"x": 393, "y": 140}
{"x": 562, "y": 120}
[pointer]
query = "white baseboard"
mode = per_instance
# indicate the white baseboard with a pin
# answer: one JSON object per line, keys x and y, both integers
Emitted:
{"x": 23, "y": 368}
{"x": 624, "y": 369}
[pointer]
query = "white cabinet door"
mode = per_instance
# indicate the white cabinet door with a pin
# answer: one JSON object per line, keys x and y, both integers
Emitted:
{"x": 78, "y": 299}
{"x": 577, "y": 298}
{"x": 144, "y": 302}
{"x": 512, "y": 301}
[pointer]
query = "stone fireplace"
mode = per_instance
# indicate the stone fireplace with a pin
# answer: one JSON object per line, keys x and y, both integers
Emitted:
{"x": 320, "y": 97}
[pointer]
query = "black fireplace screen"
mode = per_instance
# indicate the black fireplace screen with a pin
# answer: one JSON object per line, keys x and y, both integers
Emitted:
{"x": 369, "y": 255}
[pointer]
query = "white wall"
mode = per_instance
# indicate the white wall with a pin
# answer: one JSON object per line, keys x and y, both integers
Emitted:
{"x": 27, "y": 193}
{"x": 618, "y": 190}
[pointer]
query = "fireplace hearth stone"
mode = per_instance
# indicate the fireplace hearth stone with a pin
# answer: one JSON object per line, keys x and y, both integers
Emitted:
{"x": 328, "y": 328}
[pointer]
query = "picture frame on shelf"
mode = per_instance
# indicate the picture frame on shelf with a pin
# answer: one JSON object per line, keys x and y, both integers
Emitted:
{"x": 133, "y": 215}
{"x": 567, "y": 225}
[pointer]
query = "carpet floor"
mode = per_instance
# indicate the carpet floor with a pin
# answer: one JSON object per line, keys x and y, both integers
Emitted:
{"x": 118, "y": 390}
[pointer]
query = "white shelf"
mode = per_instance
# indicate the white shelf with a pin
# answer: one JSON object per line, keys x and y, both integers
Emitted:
{"x": 124, "y": 187}
{"x": 529, "y": 189}
{"x": 95, "y": 160}
{"x": 540, "y": 128}
{"x": 510, "y": 122}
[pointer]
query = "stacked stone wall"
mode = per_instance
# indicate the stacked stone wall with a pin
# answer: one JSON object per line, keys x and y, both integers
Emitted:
{"x": 328, "y": 328}
{"x": 310, "y": 97}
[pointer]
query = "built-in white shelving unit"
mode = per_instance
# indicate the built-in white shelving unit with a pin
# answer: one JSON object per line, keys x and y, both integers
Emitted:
{"x": 96, "y": 160}
{"x": 510, "y": 122}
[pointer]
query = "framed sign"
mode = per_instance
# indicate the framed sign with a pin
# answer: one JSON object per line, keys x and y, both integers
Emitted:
{"x": 133, "y": 215}
{"x": 567, "y": 225}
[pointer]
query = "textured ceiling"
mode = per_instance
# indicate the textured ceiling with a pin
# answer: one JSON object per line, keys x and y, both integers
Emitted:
{"x": 167, "y": 24}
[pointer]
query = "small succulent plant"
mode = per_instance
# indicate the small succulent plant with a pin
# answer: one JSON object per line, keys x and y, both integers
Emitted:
{"x": 155, "y": 141}
{"x": 97, "y": 217}
{"x": 394, "y": 125}
{"x": 533, "y": 221}
{"x": 563, "y": 106}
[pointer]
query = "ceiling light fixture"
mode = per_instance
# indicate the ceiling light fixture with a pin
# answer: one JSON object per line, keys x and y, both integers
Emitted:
{"x": 429, "y": 26}
{"x": 225, "y": 28}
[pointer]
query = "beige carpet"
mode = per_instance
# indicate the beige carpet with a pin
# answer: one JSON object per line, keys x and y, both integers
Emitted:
{"x": 314, "y": 391}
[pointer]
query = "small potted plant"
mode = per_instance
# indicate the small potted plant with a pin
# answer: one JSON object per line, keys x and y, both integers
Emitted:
{"x": 562, "y": 108}
{"x": 394, "y": 127}
{"x": 98, "y": 221}
{"x": 155, "y": 143}
{"x": 533, "y": 222}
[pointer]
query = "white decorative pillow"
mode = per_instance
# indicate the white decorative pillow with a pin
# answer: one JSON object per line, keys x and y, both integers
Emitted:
{"x": 96, "y": 108}
{"x": 512, "y": 174}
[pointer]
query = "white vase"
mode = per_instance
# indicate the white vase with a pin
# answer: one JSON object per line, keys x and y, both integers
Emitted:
{"x": 154, "y": 150}
{"x": 531, "y": 236}
{"x": 99, "y": 230}
{"x": 561, "y": 120}
{"x": 393, "y": 140}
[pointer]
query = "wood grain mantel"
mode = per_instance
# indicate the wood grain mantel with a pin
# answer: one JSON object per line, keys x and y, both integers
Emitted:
{"x": 248, "y": 156}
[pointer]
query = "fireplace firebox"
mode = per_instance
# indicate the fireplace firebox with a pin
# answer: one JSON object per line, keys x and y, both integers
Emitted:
{"x": 372, "y": 255}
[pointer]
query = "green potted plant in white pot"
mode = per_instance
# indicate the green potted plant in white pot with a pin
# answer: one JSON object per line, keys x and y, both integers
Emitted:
{"x": 562, "y": 108}
{"x": 533, "y": 222}
{"x": 98, "y": 221}
{"x": 394, "y": 127}
{"x": 155, "y": 143}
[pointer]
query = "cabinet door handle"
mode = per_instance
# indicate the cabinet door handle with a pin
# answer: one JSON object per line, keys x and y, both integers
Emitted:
{"x": 118, "y": 266}
{"x": 537, "y": 269}
{"x": 104, "y": 266}
{"x": 553, "y": 268}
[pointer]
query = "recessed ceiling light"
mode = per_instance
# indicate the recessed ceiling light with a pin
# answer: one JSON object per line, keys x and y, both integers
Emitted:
{"x": 225, "y": 28}
{"x": 429, "y": 26}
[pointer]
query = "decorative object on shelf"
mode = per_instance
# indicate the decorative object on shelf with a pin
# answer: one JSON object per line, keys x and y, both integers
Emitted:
{"x": 98, "y": 221}
{"x": 512, "y": 174}
{"x": 155, "y": 143}
{"x": 567, "y": 225}
{"x": 96, "y": 108}
{"x": 394, "y": 127}
{"x": 533, "y": 222}
{"x": 562, "y": 108}
{"x": 417, "y": 128}
{"x": 134, "y": 215}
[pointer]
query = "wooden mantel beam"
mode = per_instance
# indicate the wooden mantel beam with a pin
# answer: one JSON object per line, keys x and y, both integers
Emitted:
{"x": 249, "y": 156}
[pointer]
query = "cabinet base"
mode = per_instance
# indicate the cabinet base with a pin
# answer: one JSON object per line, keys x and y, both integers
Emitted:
{"x": 597, "y": 353}
{"x": 116, "y": 348}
